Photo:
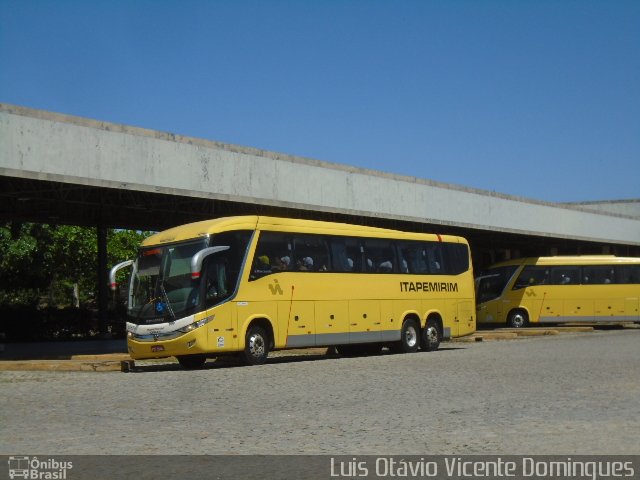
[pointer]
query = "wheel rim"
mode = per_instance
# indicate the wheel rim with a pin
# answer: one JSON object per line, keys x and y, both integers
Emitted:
{"x": 432, "y": 335}
{"x": 256, "y": 345}
{"x": 517, "y": 320}
{"x": 411, "y": 336}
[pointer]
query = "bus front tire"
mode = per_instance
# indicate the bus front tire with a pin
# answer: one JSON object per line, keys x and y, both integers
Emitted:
{"x": 191, "y": 362}
{"x": 256, "y": 347}
{"x": 518, "y": 319}
{"x": 431, "y": 336}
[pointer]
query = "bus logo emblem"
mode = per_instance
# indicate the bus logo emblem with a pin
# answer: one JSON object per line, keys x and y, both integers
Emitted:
{"x": 275, "y": 288}
{"x": 19, "y": 467}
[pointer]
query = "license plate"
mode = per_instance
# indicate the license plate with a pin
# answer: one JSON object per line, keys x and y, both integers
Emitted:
{"x": 157, "y": 348}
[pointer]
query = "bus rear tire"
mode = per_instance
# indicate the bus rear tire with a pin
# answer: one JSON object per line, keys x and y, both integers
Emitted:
{"x": 409, "y": 336}
{"x": 431, "y": 336}
{"x": 191, "y": 362}
{"x": 518, "y": 319}
{"x": 256, "y": 346}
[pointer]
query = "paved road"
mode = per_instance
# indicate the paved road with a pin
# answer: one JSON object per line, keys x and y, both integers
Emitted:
{"x": 568, "y": 394}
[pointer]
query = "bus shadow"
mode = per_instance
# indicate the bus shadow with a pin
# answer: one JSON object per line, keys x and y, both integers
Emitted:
{"x": 234, "y": 362}
{"x": 561, "y": 326}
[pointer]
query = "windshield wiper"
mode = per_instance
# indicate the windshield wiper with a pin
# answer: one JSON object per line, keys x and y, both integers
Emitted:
{"x": 166, "y": 297}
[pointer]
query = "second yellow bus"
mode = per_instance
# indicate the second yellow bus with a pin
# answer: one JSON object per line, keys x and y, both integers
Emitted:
{"x": 600, "y": 288}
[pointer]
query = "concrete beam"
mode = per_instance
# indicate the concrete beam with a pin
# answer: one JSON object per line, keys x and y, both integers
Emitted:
{"x": 627, "y": 208}
{"x": 48, "y": 146}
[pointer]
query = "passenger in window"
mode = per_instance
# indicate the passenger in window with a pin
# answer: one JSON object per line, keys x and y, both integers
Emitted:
{"x": 349, "y": 265}
{"x": 281, "y": 263}
{"x": 404, "y": 266}
{"x": 610, "y": 275}
{"x": 262, "y": 265}
{"x": 385, "y": 267}
{"x": 306, "y": 264}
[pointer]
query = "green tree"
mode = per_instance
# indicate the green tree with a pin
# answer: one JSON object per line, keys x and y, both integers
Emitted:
{"x": 52, "y": 261}
{"x": 21, "y": 277}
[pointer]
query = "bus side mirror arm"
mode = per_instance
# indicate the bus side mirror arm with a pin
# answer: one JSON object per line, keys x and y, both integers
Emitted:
{"x": 198, "y": 258}
{"x": 112, "y": 273}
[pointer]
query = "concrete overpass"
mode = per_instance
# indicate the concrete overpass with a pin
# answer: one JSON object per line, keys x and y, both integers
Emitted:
{"x": 60, "y": 168}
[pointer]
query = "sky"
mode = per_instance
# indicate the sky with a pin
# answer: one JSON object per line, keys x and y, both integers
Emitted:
{"x": 539, "y": 99}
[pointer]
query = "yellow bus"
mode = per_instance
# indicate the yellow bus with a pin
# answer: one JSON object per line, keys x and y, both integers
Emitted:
{"x": 599, "y": 288}
{"x": 253, "y": 284}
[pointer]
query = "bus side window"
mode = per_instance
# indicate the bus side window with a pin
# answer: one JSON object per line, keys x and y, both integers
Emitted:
{"x": 434, "y": 258}
{"x": 562, "y": 275}
{"x": 271, "y": 254}
{"x": 355, "y": 253}
{"x": 531, "y": 276}
{"x": 627, "y": 274}
{"x": 341, "y": 260}
{"x": 413, "y": 258}
{"x": 457, "y": 256}
{"x": 380, "y": 255}
{"x": 598, "y": 275}
{"x": 310, "y": 253}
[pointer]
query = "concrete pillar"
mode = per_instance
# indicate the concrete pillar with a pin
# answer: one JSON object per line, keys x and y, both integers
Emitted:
{"x": 103, "y": 279}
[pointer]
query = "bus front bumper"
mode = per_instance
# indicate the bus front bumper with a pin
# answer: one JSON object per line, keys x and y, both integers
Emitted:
{"x": 184, "y": 337}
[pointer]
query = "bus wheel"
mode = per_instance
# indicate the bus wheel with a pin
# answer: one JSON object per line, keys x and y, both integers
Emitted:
{"x": 409, "y": 336}
{"x": 431, "y": 336}
{"x": 518, "y": 319}
{"x": 256, "y": 347}
{"x": 191, "y": 362}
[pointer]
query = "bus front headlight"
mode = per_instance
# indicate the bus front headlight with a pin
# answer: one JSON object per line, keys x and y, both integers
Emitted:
{"x": 198, "y": 324}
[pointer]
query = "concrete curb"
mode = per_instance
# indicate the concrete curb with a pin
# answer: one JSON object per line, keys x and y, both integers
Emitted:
{"x": 110, "y": 362}
{"x": 512, "y": 333}
{"x": 60, "y": 365}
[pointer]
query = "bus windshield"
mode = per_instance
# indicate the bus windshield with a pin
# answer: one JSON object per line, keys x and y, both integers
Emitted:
{"x": 161, "y": 286}
{"x": 492, "y": 282}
